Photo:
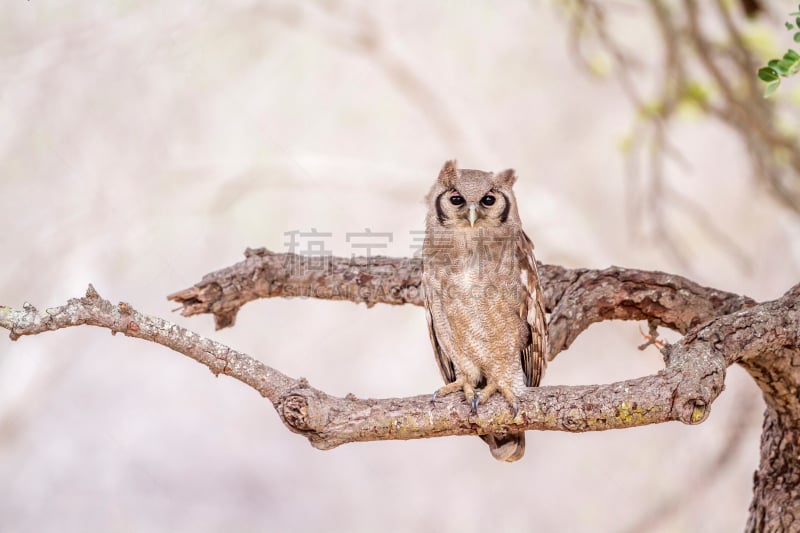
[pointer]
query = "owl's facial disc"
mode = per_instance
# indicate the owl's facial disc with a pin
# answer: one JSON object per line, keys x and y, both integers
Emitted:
{"x": 474, "y": 205}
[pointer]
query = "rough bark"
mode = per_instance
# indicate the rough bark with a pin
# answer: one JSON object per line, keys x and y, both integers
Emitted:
{"x": 575, "y": 298}
{"x": 719, "y": 329}
{"x": 683, "y": 391}
{"x": 776, "y": 483}
{"x": 776, "y": 369}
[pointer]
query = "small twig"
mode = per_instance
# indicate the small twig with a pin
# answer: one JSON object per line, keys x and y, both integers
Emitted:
{"x": 651, "y": 337}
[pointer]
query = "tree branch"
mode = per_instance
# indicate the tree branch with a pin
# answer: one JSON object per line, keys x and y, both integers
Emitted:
{"x": 329, "y": 421}
{"x": 93, "y": 310}
{"x": 575, "y": 298}
{"x": 684, "y": 390}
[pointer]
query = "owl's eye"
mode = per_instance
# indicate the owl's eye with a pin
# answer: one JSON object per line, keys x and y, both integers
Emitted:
{"x": 488, "y": 200}
{"x": 457, "y": 200}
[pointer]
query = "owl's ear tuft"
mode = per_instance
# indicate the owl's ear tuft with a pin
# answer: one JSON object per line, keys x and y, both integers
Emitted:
{"x": 506, "y": 177}
{"x": 449, "y": 174}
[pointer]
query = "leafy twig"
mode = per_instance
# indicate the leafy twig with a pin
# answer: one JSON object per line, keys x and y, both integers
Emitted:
{"x": 785, "y": 67}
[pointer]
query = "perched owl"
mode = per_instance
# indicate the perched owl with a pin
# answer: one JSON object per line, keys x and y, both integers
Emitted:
{"x": 482, "y": 296}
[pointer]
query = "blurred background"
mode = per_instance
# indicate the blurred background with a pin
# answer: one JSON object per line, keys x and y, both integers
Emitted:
{"x": 144, "y": 144}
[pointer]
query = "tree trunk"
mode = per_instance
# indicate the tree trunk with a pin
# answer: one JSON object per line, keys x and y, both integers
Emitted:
{"x": 776, "y": 483}
{"x": 776, "y": 491}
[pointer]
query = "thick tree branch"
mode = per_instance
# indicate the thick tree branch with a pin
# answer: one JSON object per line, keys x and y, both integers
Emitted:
{"x": 679, "y": 393}
{"x": 576, "y": 298}
{"x": 693, "y": 377}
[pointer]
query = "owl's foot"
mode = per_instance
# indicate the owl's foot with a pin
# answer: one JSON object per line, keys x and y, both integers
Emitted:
{"x": 459, "y": 384}
{"x": 450, "y": 388}
{"x": 487, "y": 392}
{"x": 512, "y": 401}
{"x": 480, "y": 397}
{"x": 490, "y": 389}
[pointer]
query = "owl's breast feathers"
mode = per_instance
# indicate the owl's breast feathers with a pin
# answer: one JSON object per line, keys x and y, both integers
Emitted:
{"x": 481, "y": 293}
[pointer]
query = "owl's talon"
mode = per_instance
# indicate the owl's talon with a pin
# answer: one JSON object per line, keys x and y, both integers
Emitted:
{"x": 515, "y": 409}
{"x": 476, "y": 399}
{"x": 434, "y": 395}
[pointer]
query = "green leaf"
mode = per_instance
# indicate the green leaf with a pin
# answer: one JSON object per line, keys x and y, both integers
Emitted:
{"x": 770, "y": 89}
{"x": 775, "y": 64}
{"x": 797, "y": 37}
{"x": 784, "y": 66}
{"x": 797, "y": 21}
{"x": 767, "y": 74}
{"x": 792, "y": 56}
{"x": 789, "y": 26}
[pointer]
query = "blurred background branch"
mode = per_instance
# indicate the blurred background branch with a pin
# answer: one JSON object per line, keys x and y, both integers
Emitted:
{"x": 707, "y": 66}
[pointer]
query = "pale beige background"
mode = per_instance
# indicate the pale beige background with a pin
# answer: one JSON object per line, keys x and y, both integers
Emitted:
{"x": 143, "y": 144}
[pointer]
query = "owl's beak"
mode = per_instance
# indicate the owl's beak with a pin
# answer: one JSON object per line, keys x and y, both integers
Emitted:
{"x": 473, "y": 215}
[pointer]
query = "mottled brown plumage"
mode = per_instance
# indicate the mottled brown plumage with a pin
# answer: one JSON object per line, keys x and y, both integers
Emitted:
{"x": 482, "y": 295}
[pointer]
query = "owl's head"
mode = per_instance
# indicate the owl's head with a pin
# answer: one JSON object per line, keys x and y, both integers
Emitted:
{"x": 463, "y": 198}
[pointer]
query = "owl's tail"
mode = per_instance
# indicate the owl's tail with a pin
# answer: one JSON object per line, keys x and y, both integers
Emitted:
{"x": 508, "y": 448}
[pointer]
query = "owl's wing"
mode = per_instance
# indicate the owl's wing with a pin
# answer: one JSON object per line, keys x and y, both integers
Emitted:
{"x": 532, "y": 310}
{"x": 445, "y": 363}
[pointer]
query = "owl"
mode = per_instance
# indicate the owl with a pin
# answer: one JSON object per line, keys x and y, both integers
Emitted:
{"x": 483, "y": 301}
